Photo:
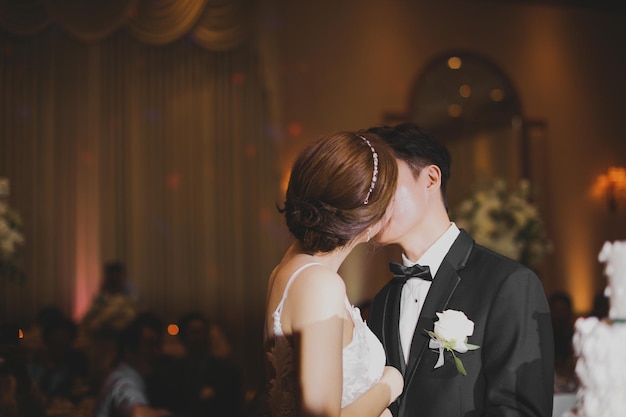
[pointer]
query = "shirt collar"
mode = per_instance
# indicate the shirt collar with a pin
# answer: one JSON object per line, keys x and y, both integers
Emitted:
{"x": 433, "y": 257}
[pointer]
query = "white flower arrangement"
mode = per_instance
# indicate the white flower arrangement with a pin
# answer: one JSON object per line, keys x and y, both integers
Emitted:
{"x": 450, "y": 333}
{"x": 504, "y": 221}
{"x": 11, "y": 236}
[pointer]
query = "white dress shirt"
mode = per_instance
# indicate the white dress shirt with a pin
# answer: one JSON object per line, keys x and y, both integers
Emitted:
{"x": 415, "y": 290}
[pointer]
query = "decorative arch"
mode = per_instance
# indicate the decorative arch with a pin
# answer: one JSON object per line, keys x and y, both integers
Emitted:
{"x": 460, "y": 93}
{"x": 468, "y": 102}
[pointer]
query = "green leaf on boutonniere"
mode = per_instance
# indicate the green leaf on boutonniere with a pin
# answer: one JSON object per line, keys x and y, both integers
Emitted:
{"x": 459, "y": 366}
{"x": 471, "y": 347}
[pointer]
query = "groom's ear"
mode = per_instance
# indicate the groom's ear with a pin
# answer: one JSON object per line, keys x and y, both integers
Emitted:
{"x": 433, "y": 177}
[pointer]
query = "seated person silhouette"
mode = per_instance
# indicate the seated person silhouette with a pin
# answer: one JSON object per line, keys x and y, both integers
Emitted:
{"x": 125, "y": 392}
{"x": 19, "y": 394}
{"x": 111, "y": 310}
{"x": 59, "y": 369}
{"x": 198, "y": 383}
{"x": 114, "y": 307}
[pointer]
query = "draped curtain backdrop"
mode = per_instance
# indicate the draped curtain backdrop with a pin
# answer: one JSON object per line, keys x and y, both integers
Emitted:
{"x": 138, "y": 131}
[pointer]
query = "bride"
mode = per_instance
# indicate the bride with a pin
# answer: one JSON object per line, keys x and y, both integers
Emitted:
{"x": 323, "y": 359}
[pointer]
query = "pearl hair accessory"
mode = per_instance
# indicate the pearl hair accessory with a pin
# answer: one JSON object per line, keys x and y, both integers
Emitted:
{"x": 375, "y": 174}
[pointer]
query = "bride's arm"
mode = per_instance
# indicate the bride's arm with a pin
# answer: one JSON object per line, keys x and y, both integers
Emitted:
{"x": 316, "y": 311}
{"x": 386, "y": 413}
{"x": 317, "y": 316}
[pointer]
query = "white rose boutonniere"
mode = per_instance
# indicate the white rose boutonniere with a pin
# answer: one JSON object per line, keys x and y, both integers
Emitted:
{"x": 450, "y": 333}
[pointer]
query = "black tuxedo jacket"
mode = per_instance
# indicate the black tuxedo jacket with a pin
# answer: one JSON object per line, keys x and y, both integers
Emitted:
{"x": 512, "y": 372}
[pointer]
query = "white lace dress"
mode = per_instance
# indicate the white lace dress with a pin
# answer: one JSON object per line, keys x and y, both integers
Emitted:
{"x": 363, "y": 362}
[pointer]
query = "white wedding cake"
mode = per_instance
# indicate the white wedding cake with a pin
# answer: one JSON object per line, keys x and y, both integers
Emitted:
{"x": 600, "y": 346}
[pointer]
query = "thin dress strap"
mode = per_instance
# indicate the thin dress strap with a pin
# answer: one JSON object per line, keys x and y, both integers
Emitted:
{"x": 278, "y": 328}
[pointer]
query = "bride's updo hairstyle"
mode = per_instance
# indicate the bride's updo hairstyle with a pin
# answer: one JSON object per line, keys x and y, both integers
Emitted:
{"x": 340, "y": 185}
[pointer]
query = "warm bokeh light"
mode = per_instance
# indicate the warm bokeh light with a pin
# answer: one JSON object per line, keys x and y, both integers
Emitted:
{"x": 251, "y": 151}
{"x": 455, "y": 110}
{"x": 172, "y": 329}
{"x": 611, "y": 186}
{"x": 303, "y": 67}
{"x": 87, "y": 158}
{"x": 265, "y": 217}
{"x": 294, "y": 130}
{"x": 454, "y": 62}
{"x": 20, "y": 334}
{"x": 617, "y": 176}
{"x": 239, "y": 78}
{"x": 173, "y": 180}
{"x": 496, "y": 94}
{"x": 465, "y": 91}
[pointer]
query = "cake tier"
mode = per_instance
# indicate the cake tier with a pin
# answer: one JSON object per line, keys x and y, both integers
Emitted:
{"x": 601, "y": 367}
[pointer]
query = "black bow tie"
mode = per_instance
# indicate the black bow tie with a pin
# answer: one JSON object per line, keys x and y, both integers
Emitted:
{"x": 402, "y": 273}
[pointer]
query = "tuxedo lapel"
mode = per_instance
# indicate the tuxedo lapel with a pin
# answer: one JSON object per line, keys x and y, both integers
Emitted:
{"x": 391, "y": 334}
{"x": 442, "y": 288}
{"x": 445, "y": 282}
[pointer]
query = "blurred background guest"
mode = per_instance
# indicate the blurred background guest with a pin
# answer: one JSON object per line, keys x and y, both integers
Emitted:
{"x": 19, "y": 394}
{"x": 563, "y": 328}
{"x": 115, "y": 306}
{"x": 200, "y": 382}
{"x": 112, "y": 309}
{"x": 60, "y": 370}
{"x": 32, "y": 339}
{"x": 600, "y": 308}
{"x": 125, "y": 393}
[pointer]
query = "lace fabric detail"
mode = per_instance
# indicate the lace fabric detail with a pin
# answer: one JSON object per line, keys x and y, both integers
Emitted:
{"x": 363, "y": 362}
{"x": 282, "y": 388}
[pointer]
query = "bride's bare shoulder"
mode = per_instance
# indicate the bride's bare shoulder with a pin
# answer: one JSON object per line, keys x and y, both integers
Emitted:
{"x": 311, "y": 276}
{"x": 318, "y": 293}
{"x": 317, "y": 277}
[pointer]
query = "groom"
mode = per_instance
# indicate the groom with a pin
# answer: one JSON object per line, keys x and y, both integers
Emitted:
{"x": 512, "y": 371}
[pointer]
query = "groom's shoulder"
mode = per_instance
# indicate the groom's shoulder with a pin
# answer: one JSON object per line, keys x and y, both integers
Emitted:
{"x": 489, "y": 259}
{"x": 489, "y": 269}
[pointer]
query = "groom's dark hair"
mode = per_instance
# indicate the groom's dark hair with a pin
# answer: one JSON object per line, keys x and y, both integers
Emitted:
{"x": 418, "y": 148}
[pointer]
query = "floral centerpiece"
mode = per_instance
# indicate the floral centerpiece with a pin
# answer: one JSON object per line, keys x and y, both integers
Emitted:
{"x": 504, "y": 221}
{"x": 11, "y": 237}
